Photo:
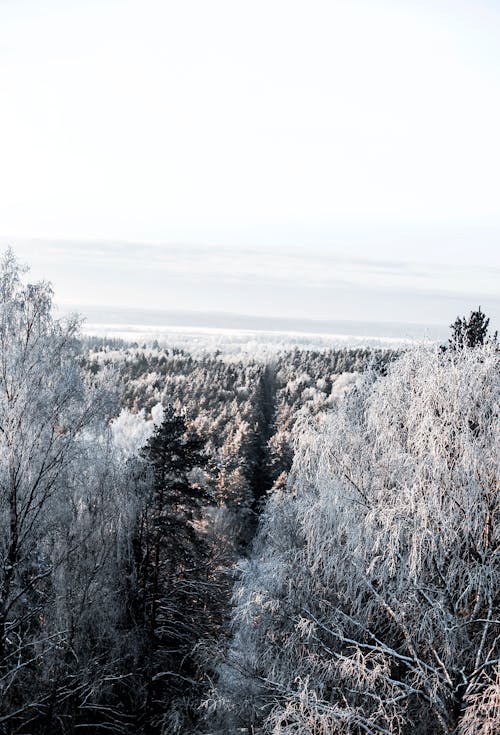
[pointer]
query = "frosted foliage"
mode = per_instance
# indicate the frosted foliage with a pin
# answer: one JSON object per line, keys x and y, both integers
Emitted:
{"x": 157, "y": 414}
{"x": 482, "y": 714}
{"x": 343, "y": 383}
{"x": 63, "y": 502}
{"x": 131, "y": 430}
{"x": 369, "y": 604}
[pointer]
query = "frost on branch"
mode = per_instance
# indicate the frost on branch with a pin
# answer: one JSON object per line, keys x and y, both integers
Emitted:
{"x": 371, "y": 602}
{"x": 63, "y": 510}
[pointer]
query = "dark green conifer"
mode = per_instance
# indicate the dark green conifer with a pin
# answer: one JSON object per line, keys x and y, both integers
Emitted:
{"x": 470, "y": 332}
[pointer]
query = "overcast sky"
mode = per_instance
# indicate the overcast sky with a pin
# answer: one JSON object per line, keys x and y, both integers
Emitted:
{"x": 274, "y": 157}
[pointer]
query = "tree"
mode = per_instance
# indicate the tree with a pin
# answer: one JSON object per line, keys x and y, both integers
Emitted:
{"x": 471, "y": 332}
{"x": 371, "y": 602}
{"x": 60, "y": 519}
{"x": 172, "y": 598}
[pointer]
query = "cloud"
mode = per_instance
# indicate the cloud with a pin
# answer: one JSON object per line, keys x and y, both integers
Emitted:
{"x": 305, "y": 266}
{"x": 297, "y": 282}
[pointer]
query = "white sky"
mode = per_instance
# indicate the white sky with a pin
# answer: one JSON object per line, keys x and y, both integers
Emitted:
{"x": 273, "y": 145}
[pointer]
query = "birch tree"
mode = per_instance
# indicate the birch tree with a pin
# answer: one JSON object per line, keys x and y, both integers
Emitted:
{"x": 371, "y": 604}
{"x": 59, "y": 513}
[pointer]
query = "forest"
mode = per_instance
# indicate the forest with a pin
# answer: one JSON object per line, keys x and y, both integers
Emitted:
{"x": 204, "y": 545}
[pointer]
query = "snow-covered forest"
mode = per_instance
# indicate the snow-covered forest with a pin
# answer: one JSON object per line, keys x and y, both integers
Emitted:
{"x": 303, "y": 545}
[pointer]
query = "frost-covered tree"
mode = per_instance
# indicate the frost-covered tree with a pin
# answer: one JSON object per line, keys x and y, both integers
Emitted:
{"x": 371, "y": 602}
{"x": 131, "y": 431}
{"x": 62, "y": 520}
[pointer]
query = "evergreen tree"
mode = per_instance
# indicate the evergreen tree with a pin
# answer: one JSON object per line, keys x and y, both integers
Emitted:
{"x": 171, "y": 554}
{"x": 471, "y": 332}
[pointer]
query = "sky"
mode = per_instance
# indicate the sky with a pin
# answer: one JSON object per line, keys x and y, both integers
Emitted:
{"x": 315, "y": 159}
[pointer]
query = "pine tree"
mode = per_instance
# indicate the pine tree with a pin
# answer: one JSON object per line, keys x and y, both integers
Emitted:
{"x": 471, "y": 332}
{"x": 170, "y": 556}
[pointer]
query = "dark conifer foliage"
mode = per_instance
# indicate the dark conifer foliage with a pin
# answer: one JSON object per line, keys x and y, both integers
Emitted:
{"x": 172, "y": 558}
{"x": 471, "y": 332}
{"x": 173, "y": 452}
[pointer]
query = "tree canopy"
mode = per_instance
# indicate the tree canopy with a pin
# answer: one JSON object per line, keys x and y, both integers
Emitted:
{"x": 471, "y": 332}
{"x": 370, "y": 603}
